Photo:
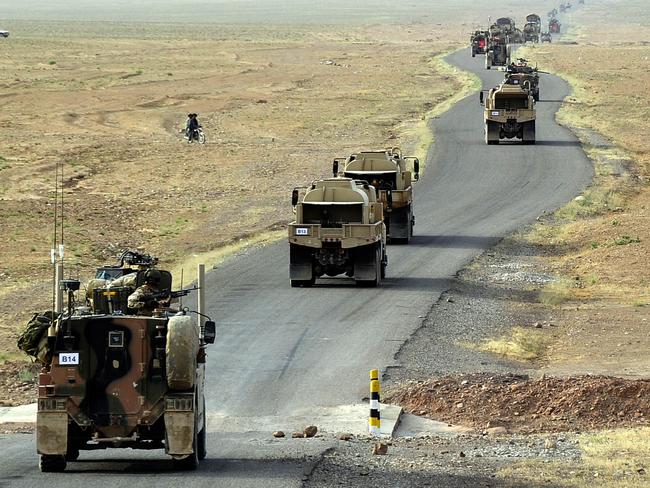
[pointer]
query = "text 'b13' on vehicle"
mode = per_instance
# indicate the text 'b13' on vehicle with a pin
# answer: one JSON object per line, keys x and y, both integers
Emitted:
{"x": 339, "y": 229}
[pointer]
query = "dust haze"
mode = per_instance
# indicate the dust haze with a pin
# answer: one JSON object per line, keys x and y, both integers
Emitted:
{"x": 261, "y": 11}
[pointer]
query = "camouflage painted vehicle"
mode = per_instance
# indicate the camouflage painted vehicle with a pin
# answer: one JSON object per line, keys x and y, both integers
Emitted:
{"x": 545, "y": 37}
{"x": 115, "y": 379}
{"x": 387, "y": 172}
{"x": 554, "y": 26}
{"x": 479, "y": 42}
{"x": 509, "y": 113}
{"x": 520, "y": 73}
{"x": 339, "y": 229}
{"x": 498, "y": 53}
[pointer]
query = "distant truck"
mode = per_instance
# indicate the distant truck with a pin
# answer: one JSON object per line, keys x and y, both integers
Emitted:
{"x": 554, "y": 26}
{"x": 479, "y": 42}
{"x": 498, "y": 53}
{"x": 509, "y": 113}
{"x": 545, "y": 37}
{"x": 532, "y": 28}
{"x": 339, "y": 229}
{"x": 4, "y": 33}
{"x": 387, "y": 172}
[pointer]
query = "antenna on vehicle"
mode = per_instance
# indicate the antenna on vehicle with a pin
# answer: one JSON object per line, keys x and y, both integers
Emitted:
{"x": 180, "y": 299}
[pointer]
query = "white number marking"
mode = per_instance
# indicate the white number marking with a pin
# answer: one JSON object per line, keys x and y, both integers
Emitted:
{"x": 66, "y": 358}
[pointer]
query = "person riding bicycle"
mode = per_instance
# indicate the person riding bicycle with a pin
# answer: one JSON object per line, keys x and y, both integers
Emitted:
{"x": 192, "y": 126}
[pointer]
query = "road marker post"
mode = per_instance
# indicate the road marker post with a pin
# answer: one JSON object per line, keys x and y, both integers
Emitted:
{"x": 374, "y": 422}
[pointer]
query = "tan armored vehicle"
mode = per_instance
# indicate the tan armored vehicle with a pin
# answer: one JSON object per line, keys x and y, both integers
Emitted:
{"x": 509, "y": 113}
{"x": 387, "y": 172}
{"x": 117, "y": 377}
{"x": 339, "y": 229}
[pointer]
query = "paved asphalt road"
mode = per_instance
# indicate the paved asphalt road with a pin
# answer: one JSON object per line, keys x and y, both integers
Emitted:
{"x": 288, "y": 357}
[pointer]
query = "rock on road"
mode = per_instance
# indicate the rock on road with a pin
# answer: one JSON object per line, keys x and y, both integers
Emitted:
{"x": 286, "y": 358}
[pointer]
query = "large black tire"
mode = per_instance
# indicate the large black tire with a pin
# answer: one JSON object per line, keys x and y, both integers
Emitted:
{"x": 302, "y": 283}
{"x": 52, "y": 463}
{"x": 528, "y": 133}
{"x": 72, "y": 454}
{"x": 491, "y": 133}
{"x": 378, "y": 270}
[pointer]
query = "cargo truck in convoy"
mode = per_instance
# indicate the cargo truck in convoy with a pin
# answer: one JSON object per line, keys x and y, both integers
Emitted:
{"x": 387, "y": 172}
{"x": 338, "y": 230}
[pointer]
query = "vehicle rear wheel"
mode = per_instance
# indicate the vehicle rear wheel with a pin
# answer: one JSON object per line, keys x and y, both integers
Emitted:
{"x": 491, "y": 132}
{"x": 528, "y": 133}
{"x": 302, "y": 283}
{"x": 72, "y": 454}
{"x": 377, "y": 265}
{"x": 52, "y": 463}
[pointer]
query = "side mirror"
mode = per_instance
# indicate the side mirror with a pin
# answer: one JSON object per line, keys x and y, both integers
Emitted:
{"x": 335, "y": 168}
{"x": 209, "y": 332}
{"x": 416, "y": 169}
{"x": 294, "y": 197}
{"x": 480, "y": 97}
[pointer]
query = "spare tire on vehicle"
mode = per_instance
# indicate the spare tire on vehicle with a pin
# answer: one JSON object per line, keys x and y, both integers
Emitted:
{"x": 181, "y": 350}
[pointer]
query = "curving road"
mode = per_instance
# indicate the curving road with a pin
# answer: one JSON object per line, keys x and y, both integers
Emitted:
{"x": 287, "y": 357}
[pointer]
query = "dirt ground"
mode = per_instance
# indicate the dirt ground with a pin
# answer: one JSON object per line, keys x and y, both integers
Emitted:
{"x": 599, "y": 244}
{"x": 519, "y": 404}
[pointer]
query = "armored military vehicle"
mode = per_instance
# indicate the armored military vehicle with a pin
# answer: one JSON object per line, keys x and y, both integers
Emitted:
{"x": 520, "y": 73}
{"x": 115, "y": 377}
{"x": 505, "y": 26}
{"x": 509, "y": 113}
{"x": 498, "y": 53}
{"x": 339, "y": 229}
{"x": 387, "y": 172}
{"x": 545, "y": 37}
{"x": 479, "y": 42}
{"x": 554, "y": 26}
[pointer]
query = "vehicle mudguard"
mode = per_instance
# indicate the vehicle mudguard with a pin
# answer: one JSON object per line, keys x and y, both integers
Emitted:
{"x": 52, "y": 433}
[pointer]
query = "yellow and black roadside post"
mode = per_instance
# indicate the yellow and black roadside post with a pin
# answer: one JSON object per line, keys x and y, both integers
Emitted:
{"x": 374, "y": 424}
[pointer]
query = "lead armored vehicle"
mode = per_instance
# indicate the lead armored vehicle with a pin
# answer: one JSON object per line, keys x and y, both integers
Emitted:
{"x": 339, "y": 230}
{"x": 509, "y": 113}
{"x": 387, "y": 172}
{"x": 118, "y": 377}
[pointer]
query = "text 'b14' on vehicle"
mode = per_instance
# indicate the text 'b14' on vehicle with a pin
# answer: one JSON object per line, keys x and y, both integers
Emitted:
{"x": 114, "y": 376}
